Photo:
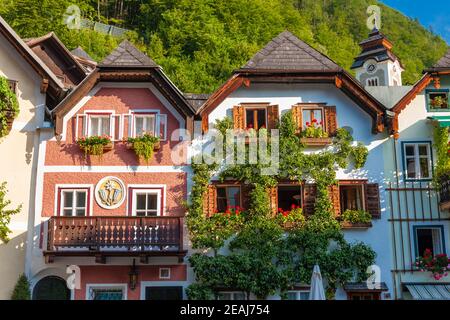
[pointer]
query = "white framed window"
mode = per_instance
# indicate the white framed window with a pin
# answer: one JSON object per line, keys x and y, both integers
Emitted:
{"x": 429, "y": 237}
{"x": 372, "y": 82}
{"x": 298, "y": 295}
{"x": 147, "y": 202}
{"x": 73, "y": 202}
{"x": 231, "y": 295}
{"x": 417, "y": 160}
{"x": 106, "y": 292}
{"x": 144, "y": 123}
{"x": 100, "y": 125}
{"x": 164, "y": 273}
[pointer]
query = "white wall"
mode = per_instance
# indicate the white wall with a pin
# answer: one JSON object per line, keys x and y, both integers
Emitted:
{"x": 348, "y": 114}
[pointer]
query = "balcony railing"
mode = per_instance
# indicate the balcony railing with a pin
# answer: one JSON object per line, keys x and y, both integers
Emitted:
{"x": 444, "y": 193}
{"x": 115, "y": 236}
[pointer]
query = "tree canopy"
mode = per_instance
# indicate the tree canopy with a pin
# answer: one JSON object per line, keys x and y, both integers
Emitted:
{"x": 200, "y": 42}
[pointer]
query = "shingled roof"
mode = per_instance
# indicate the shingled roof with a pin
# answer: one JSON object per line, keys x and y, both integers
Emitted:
{"x": 444, "y": 62}
{"x": 286, "y": 52}
{"x": 127, "y": 55}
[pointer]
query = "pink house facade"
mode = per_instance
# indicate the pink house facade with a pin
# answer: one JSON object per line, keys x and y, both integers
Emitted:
{"x": 113, "y": 224}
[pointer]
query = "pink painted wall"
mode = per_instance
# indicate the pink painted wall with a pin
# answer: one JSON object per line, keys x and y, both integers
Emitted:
{"x": 176, "y": 189}
{"x": 121, "y": 100}
{"x": 119, "y": 275}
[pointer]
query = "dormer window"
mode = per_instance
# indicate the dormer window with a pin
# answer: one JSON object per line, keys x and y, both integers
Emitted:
{"x": 144, "y": 123}
{"x": 437, "y": 99}
{"x": 312, "y": 116}
{"x": 99, "y": 125}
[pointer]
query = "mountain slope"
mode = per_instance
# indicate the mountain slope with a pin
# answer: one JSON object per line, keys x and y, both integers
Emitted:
{"x": 200, "y": 42}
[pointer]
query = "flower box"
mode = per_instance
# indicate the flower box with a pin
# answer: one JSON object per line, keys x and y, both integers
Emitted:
{"x": 156, "y": 147}
{"x": 350, "y": 225}
{"x": 316, "y": 142}
{"x": 106, "y": 148}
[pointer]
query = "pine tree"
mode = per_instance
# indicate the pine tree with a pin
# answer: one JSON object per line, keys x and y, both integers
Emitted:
{"x": 22, "y": 289}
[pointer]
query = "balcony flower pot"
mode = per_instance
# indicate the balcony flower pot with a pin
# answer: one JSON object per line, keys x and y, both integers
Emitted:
{"x": 356, "y": 225}
{"x": 95, "y": 145}
{"x": 144, "y": 146}
{"x": 316, "y": 142}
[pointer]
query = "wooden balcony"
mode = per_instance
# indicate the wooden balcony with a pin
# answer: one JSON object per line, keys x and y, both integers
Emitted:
{"x": 444, "y": 193}
{"x": 123, "y": 236}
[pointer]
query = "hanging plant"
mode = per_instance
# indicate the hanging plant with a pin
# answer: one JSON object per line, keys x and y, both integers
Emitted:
{"x": 9, "y": 107}
{"x": 95, "y": 145}
{"x": 144, "y": 146}
{"x": 438, "y": 265}
{"x": 441, "y": 145}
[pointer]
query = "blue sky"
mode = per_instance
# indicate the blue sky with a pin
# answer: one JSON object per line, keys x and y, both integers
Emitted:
{"x": 434, "y": 13}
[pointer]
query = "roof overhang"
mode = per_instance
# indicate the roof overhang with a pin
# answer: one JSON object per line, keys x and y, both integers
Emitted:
{"x": 50, "y": 83}
{"x": 341, "y": 79}
{"x": 153, "y": 75}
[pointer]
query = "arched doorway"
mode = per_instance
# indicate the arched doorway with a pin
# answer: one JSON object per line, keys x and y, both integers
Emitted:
{"x": 51, "y": 288}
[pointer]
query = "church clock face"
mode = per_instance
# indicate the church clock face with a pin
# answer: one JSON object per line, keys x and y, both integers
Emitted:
{"x": 371, "y": 68}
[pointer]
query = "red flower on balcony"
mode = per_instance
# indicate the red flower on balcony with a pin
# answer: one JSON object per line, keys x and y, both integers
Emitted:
{"x": 438, "y": 265}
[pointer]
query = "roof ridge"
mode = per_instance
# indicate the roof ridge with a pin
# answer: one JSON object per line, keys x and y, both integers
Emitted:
{"x": 126, "y": 54}
{"x": 291, "y": 60}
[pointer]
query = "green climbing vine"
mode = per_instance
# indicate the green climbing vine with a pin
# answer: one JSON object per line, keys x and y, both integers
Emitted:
{"x": 441, "y": 144}
{"x": 256, "y": 252}
{"x": 9, "y": 107}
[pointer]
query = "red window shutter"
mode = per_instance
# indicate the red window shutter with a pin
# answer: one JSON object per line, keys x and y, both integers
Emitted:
{"x": 309, "y": 198}
{"x": 272, "y": 117}
{"x": 331, "y": 120}
{"x": 238, "y": 117}
{"x": 297, "y": 117}
{"x": 210, "y": 201}
{"x": 372, "y": 195}
{"x": 273, "y": 198}
{"x": 334, "y": 194}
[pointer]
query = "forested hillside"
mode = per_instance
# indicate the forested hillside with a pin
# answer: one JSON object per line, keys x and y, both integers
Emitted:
{"x": 200, "y": 42}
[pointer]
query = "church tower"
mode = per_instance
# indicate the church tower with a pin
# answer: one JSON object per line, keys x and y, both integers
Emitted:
{"x": 377, "y": 65}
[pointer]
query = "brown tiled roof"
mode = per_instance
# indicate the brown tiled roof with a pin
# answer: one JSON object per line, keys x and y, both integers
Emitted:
{"x": 286, "y": 52}
{"x": 127, "y": 55}
{"x": 444, "y": 62}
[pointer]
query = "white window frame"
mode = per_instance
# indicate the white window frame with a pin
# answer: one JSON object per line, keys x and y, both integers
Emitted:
{"x": 99, "y": 114}
{"x": 74, "y": 191}
{"x": 156, "y": 191}
{"x": 298, "y": 293}
{"x": 417, "y": 158}
{"x": 143, "y": 112}
{"x": 164, "y": 277}
{"x": 232, "y": 294}
{"x": 106, "y": 286}
{"x": 145, "y": 116}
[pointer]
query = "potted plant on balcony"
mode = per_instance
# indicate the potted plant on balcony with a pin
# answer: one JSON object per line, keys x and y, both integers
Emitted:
{"x": 439, "y": 102}
{"x": 95, "y": 145}
{"x": 144, "y": 146}
{"x": 291, "y": 219}
{"x": 356, "y": 219}
{"x": 9, "y": 107}
{"x": 438, "y": 265}
{"x": 314, "y": 134}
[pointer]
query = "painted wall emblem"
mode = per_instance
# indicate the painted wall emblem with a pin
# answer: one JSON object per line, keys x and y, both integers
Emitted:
{"x": 110, "y": 192}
